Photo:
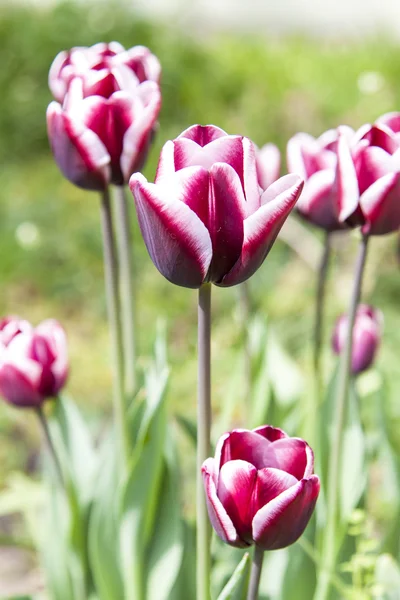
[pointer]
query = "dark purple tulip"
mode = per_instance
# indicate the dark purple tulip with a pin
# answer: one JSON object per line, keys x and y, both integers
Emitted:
{"x": 330, "y": 198}
{"x": 99, "y": 140}
{"x": 268, "y": 165}
{"x": 260, "y": 488}
{"x": 103, "y": 68}
{"x": 34, "y": 364}
{"x": 206, "y": 219}
{"x": 367, "y": 334}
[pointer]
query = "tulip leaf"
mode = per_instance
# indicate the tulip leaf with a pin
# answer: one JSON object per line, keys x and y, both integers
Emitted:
{"x": 387, "y": 577}
{"x": 236, "y": 588}
{"x": 166, "y": 549}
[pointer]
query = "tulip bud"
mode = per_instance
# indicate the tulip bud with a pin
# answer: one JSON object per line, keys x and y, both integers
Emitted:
{"x": 260, "y": 488}
{"x": 367, "y": 334}
{"x": 33, "y": 364}
{"x": 205, "y": 218}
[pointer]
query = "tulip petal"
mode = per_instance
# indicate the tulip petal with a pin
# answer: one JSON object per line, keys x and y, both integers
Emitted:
{"x": 236, "y": 483}
{"x": 382, "y": 137}
{"x": 17, "y": 388}
{"x": 78, "y": 151}
{"x": 270, "y": 433}
{"x": 268, "y": 165}
{"x": 219, "y": 518}
{"x": 203, "y": 134}
{"x": 242, "y": 444}
{"x": 269, "y": 484}
{"x": 380, "y": 204}
{"x": 305, "y": 156}
{"x": 346, "y": 185}
{"x": 372, "y": 163}
{"x": 226, "y": 216}
{"x": 262, "y": 228}
{"x": 291, "y": 455}
{"x": 391, "y": 120}
{"x": 282, "y": 521}
{"x": 176, "y": 239}
{"x": 317, "y": 203}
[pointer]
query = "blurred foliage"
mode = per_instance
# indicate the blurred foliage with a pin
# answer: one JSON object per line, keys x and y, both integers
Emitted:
{"x": 50, "y": 246}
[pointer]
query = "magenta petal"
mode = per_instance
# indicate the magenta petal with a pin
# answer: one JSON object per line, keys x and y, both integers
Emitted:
{"x": 290, "y": 455}
{"x": 242, "y": 444}
{"x": 372, "y": 163}
{"x": 380, "y": 204}
{"x": 268, "y": 165}
{"x": 176, "y": 239}
{"x": 317, "y": 203}
{"x": 203, "y": 134}
{"x": 226, "y": 215}
{"x": 219, "y": 518}
{"x": 262, "y": 228}
{"x": 282, "y": 521}
{"x": 381, "y": 137}
{"x": 391, "y": 120}
{"x": 236, "y": 482}
{"x": 270, "y": 433}
{"x": 20, "y": 386}
{"x": 270, "y": 483}
{"x": 79, "y": 153}
{"x": 346, "y": 184}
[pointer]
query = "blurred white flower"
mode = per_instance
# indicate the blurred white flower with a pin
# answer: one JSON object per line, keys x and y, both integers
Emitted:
{"x": 27, "y": 235}
{"x": 370, "y": 82}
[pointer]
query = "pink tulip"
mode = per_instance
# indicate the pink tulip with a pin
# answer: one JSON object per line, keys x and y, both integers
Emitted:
{"x": 205, "y": 219}
{"x": 367, "y": 335}
{"x": 12, "y": 326}
{"x": 330, "y": 199}
{"x": 260, "y": 488}
{"x": 34, "y": 364}
{"x": 97, "y": 140}
{"x": 103, "y": 68}
{"x": 268, "y": 165}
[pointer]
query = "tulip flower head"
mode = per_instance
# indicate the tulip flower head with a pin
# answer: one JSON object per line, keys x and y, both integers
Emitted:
{"x": 367, "y": 335}
{"x": 206, "y": 219}
{"x": 103, "y": 68}
{"x": 268, "y": 165}
{"x": 260, "y": 488}
{"x": 330, "y": 197}
{"x": 33, "y": 363}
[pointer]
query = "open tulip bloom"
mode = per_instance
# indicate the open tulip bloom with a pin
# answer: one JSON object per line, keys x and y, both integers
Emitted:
{"x": 33, "y": 362}
{"x": 352, "y": 178}
{"x": 206, "y": 219}
{"x": 260, "y": 488}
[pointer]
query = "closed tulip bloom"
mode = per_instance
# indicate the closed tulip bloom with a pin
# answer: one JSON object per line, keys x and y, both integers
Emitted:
{"x": 99, "y": 140}
{"x": 367, "y": 335}
{"x": 206, "y": 219}
{"x": 34, "y": 365}
{"x": 268, "y": 165}
{"x": 330, "y": 199}
{"x": 103, "y": 68}
{"x": 376, "y": 154}
{"x": 260, "y": 488}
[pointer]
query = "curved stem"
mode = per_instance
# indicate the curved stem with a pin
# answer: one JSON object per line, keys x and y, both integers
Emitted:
{"x": 111, "y": 284}
{"x": 255, "y": 574}
{"x": 245, "y": 312}
{"x": 203, "y": 440}
{"x": 329, "y": 549}
{"x": 319, "y": 308}
{"x": 127, "y": 288}
{"x": 46, "y": 432}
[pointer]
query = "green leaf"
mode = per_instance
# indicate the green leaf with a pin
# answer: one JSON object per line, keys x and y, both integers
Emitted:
{"x": 236, "y": 588}
{"x": 188, "y": 427}
{"x": 300, "y": 575}
{"x": 387, "y": 578}
{"x": 166, "y": 549}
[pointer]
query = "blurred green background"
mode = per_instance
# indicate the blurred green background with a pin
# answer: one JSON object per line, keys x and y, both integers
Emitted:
{"x": 50, "y": 245}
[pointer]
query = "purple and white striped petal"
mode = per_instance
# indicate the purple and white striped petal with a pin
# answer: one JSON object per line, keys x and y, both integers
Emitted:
{"x": 270, "y": 483}
{"x": 380, "y": 204}
{"x": 346, "y": 185}
{"x": 268, "y": 165}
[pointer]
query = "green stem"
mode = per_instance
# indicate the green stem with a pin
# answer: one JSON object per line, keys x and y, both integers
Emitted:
{"x": 203, "y": 440}
{"x": 255, "y": 574}
{"x": 245, "y": 312}
{"x": 127, "y": 288}
{"x": 51, "y": 448}
{"x": 111, "y": 285}
{"x": 329, "y": 549}
{"x": 319, "y": 308}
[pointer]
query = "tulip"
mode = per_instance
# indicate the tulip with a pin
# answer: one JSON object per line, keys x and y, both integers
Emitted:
{"x": 100, "y": 140}
{"x": 205, "y": 219}
{"x": 330, "y": 199}
{"x": 268, "y": 165}
{"x": 12, "y": 326}
{"x": 260, "y": 488}
{"x": 367, "y": 334}
{"x": 34, "y": 364}
{"x": 103, "y": 68}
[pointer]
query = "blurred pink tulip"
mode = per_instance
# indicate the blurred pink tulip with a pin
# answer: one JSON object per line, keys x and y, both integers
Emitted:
{"x": 205, "y": 219}
{"x": 268, "y": 165}
{"x": 12, "y": 326}
{"x": 103, "y": 68}
{"x": 330, "y": 199}
{"x": 33, "y": 364}
{"x": 99, "y": 140}
{"x": 367, "y": 334}
{"x": 260, "y": 488}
